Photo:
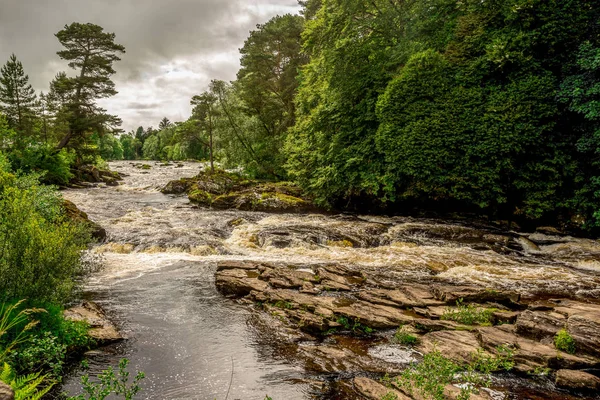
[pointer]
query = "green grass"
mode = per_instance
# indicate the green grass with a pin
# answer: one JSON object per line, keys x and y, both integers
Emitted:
{"x": 469, "y": 314}
{"x": 565, "y": 342}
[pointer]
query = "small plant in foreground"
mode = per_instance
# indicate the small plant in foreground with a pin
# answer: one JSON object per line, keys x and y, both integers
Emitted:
{"x": 469, "y": 314}
{"x": 403, "y": 337}
{"x": 111, "y": 384}
{"x": 565, "y": 342}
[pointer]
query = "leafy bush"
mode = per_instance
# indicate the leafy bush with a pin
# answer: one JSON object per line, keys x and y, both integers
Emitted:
{"x": 565, "y": 342}
{"x": 39, "y": 249}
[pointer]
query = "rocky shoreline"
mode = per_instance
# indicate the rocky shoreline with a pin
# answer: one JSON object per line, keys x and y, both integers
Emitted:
{"x": 328, "y": 310}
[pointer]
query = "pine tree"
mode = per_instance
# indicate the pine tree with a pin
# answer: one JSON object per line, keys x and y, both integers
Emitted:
{"x": 17, "y": 97}
{"x": 92, "y": 52}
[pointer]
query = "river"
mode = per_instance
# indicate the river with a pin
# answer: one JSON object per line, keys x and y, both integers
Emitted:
{"x": 157, "y": 278}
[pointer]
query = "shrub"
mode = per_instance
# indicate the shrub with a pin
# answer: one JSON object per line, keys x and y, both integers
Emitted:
{"x": 39, "y": 249}
{"x": 565, "y": 342}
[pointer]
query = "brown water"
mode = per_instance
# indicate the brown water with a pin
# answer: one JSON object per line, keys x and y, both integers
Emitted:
{"x": 161, "y": 254}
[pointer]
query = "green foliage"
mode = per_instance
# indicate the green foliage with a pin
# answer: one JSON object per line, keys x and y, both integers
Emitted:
{"x": 39, "y": 248}
{"x": 565, "y": 342}
{"x": 111, "y": 384}
{"x": 469, "y": 314}
{"x": 403, "y": 337}
{"x": 26, "y": 387}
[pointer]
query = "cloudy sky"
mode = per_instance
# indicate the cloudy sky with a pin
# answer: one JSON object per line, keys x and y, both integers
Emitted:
{"x": 174, "y": 47}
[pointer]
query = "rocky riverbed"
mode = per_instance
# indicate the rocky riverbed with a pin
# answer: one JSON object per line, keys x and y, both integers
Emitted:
{"x": 309, "y": 305}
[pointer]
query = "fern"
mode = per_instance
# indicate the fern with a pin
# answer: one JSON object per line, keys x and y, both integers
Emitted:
{"x": 26, "y": 387}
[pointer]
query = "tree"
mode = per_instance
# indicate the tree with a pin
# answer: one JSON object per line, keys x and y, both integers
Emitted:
{"x": 17, "y": 97}
{"x": 204, "y": 113}
{"x": 92, "y": 52}
{"x": 164, "y": 123}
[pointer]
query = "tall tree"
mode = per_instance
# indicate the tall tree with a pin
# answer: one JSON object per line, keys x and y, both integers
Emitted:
{"x": 17, "y": 97}
{"x": 92, "y": 52}
{"x": 205, "y": 112}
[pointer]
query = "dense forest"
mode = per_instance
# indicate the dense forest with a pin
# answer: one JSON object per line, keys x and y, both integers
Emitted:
{"x": 487, "y": 107}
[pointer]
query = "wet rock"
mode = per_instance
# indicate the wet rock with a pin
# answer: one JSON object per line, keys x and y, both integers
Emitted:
{"x": 576, "y": 380}
{"x": 374, "y": 390}
{"x": 101, "y": 328}
{"x": 75, "y": 214}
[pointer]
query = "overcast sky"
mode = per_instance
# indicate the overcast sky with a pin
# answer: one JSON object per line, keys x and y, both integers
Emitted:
{"x": 174, "y": 47}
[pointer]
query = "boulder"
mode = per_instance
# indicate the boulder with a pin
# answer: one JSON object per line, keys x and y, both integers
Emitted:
{"x": 6, "y": 392}
{"x": 576, "y": 380}
{"x": 101, "y": 328}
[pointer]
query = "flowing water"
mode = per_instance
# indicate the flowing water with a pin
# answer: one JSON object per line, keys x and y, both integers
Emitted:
{"x": 157, "y": 279}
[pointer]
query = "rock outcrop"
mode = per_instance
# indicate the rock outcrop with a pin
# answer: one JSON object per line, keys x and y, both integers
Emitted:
{"x": 223, "y": 190}
{"x": 325, "y": 300}
{"x": 101, "y": 328}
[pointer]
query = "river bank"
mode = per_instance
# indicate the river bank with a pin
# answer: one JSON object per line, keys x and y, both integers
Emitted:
{"x": 162, "y": 254}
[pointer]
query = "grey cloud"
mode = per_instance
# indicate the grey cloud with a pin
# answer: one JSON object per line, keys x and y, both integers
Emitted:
{"x": 193, "y": 35}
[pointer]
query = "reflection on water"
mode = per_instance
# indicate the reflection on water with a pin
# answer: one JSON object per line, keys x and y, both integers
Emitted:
{"x": 161, "y": 254}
